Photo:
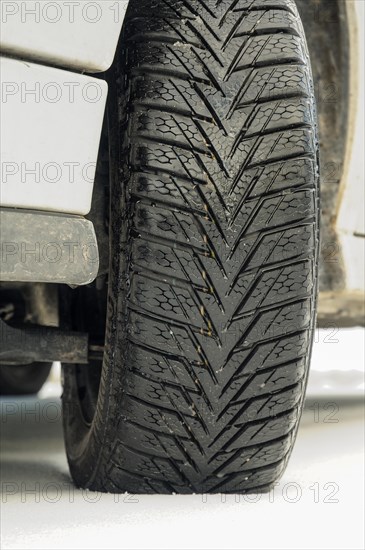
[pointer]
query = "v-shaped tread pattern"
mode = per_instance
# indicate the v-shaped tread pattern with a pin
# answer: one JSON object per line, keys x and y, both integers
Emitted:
{"x": 219, "y": 170}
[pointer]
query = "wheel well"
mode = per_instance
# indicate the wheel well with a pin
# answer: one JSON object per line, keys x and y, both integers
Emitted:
{"x": 327, "y": 31}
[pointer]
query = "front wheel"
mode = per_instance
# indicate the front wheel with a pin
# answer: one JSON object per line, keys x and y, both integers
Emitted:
{"x": 214, "y": 250}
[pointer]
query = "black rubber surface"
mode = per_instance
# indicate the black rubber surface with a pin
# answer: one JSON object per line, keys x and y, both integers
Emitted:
{"x": 214, "y": 224}
{"x": 23, "y": 379}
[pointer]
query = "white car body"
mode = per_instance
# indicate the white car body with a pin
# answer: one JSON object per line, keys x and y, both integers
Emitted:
{"x": 81, "y": 35}
{"x": 51, "y": 118}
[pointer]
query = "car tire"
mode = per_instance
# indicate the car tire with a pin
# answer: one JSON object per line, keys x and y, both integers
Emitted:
{"x": 23, "y": 379}
{"x": 214, "y": 251}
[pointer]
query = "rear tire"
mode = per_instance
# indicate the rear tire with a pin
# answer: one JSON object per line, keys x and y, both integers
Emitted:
{"x": 23, "y": 379}
{"x": 214, "y": 251}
